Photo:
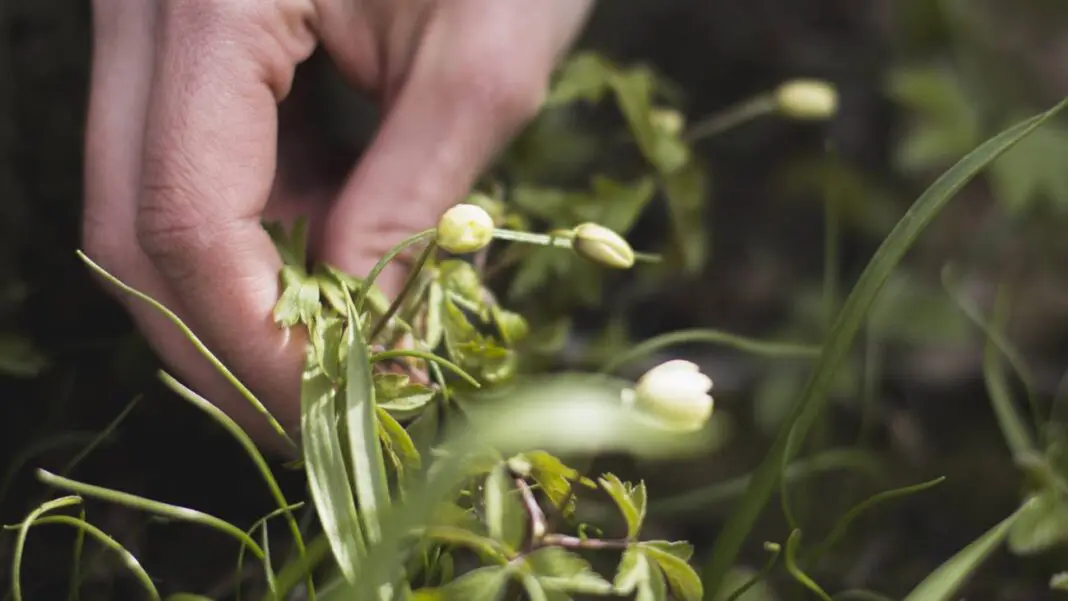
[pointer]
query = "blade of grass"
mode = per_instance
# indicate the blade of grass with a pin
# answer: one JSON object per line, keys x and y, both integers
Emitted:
{"x": 39, "y": 447}
{"x": 844, "y": 522}
{"x": 1013, "y": 425}
{"x": 429, "y": 358}
{"x": 74, "y": 592}
{"x": 175, "y": 512}
{"x": 324, "y": 463}
{"x": 200, "y": 346}
{"x": 260, "y": 523}
{"x": 790, "y": 561}
{"x": 101, "y": 537}
{"x": 250, "y": 448}
{"x": 292, "y": 572}
{"x": 23, "y": 531}
{"x": 365, "y": 451}
{"x": 361, "y": 295}
{"x": 813, "y": 397}
{"x": 827, "y": 461}
{"x": 770, "y": 350}
{"x": 105, "y": 434}
{"x": 943, "y": 583}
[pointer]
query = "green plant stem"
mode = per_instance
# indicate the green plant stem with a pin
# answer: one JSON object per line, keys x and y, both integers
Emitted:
{"x": 368, "y": 282}
{"x": 200, "y": 346}
{"x": 770, "y": 350}
{"x": 799, "y": 575}
{"x": 559, "y": 241}
{"x": 409, "y": 285}
{"x": 764, "y": 572}
{"x": 428, "y": 357}
{"x": 730, "y": 118}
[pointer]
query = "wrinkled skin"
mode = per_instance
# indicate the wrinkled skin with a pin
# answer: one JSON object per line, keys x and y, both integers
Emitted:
{"x": 182, "y": 158}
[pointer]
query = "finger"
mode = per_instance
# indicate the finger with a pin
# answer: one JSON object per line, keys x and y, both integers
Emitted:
{"x": 209, "y": 159}
{"x": 470, "y": 87}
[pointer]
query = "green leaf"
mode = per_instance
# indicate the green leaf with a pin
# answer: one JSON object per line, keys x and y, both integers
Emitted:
{"x": 187, "y": 597}
{"x": 398, "y": 444}
{"x": 840, "y": 340}
{"x": 481, "y": 584}
{"x": 565, "y": 571}
{"x": 680, "y": 549}
{"x": 1042, "y": 523}
{"x": 634, "y": 93}
{"x": 584, "y": 76}
{"x": 505, "y": 515}
{"x": 629, "y": 498}
{"x": 943, "y": 583}
{"x": 683, "y": 580}
{"x": 1032, "y": 172}
{"x": 686, "y": 189}
{"x": 553, "y": 477}
{"x": 368, "y": 467}
{"x": 402, "y": 399}
{"x": 324, "y": 463}
{"x": 636, "y": 574}
{"x": 621, "y": 203}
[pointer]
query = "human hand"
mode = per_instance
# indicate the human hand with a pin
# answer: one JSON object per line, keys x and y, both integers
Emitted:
{"x": 182, "y": 160}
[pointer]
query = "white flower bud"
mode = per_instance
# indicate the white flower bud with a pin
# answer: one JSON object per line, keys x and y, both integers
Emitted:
{"x": 807, "y": 99}
{"x": 465, "y": 228}
{"x": 675, "y": 393}
{"x": 603, "y": 246}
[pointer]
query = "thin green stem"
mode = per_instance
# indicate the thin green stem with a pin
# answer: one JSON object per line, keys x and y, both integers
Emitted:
{"x": 409, "y": 285}
{"x": 730, "y": 118}
{"x": 361, "y": 295}
{"x": 770, "y": 350}
{"x": 429, "y": 357}
{"x": 200, "y": 346}
{"x": 764, "y": 572}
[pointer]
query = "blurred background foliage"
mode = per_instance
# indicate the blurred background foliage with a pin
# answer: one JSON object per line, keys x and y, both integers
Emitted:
{"x": 765, "y": 227}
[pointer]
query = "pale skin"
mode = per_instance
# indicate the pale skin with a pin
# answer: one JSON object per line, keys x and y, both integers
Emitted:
{"x": 183, "y": 163}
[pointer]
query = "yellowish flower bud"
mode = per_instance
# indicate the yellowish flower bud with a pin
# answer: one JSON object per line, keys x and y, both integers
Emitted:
{"x": 807, "y": 99}
{"x": 602, "y": 246}
{"x": 674, "y": 393}
{"x": 668, "y": 121}
{"x": 465, "y": 228}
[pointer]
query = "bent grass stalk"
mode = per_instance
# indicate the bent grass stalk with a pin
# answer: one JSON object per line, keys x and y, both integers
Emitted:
{"x": 200, "y": 346}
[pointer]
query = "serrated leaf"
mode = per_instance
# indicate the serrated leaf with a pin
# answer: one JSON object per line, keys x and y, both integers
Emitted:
{"x": 505, "y": 515}
{"x": 553, "y": 477}
{"x": 1041, "y": 524}
{"x": 629, "y": 498}
{"x": 943, "y": 583}
{"x": 566, "y": 571}
{"x": 683, "y": 580}
{"x": 480, "y": 584}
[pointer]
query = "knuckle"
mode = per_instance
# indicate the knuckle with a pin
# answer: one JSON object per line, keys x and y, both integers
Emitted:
{"x": 510, "y": 91}
{"x": 169, "y": 233}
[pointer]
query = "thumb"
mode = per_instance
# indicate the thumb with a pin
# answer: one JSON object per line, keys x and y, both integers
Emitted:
{"x": 464, "y": 97}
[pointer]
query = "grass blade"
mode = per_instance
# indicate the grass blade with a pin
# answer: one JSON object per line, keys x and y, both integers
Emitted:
{"x": 943, "y": 583}
{"x": 813, "y": 398}
{"x": 200, "y": 346}
{"x": 368, "y": 465}
{"x": 771, "y": 350}
{"x": 843, "y": 523}
{"x": 39, "y": 447}
{"x": 173, "y": 512}
{"x": 324, "y": 463}
{"x": 250, "y": 448}
{"x": 20, "y": 538}
{"x": 101, "y": 537}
